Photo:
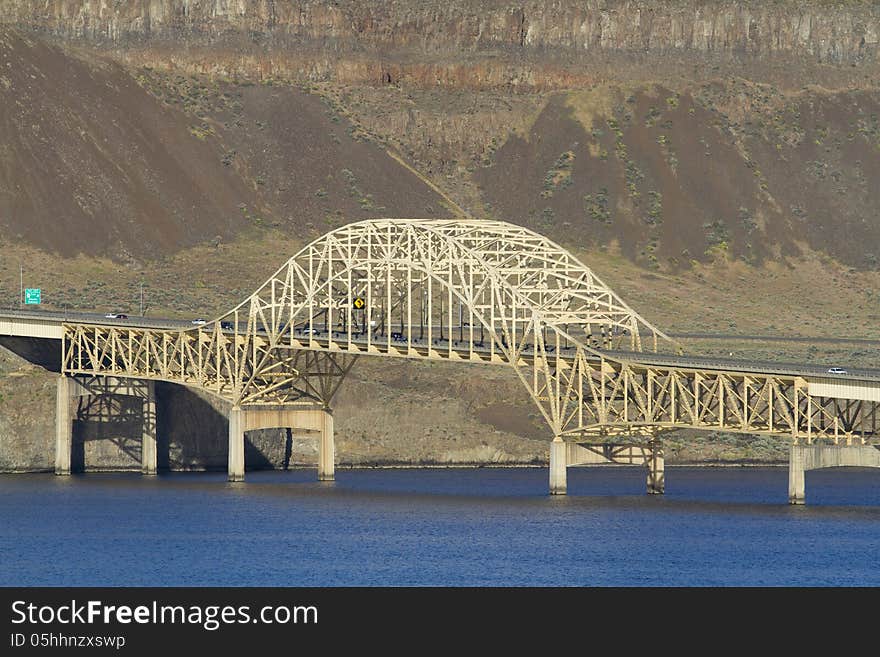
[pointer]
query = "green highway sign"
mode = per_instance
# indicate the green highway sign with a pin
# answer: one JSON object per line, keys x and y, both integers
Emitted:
{"x": 32, "y": 295}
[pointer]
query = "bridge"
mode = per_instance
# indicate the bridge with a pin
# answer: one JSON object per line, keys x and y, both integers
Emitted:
{"x": 478, "y": 293}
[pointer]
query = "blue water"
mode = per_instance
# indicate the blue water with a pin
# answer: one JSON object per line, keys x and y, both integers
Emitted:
{"x": 714, "y": 526}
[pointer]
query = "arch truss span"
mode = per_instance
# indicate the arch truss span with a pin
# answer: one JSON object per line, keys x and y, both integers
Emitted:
{"x": 475, "y": 291}
{"x": 472, "y": 291}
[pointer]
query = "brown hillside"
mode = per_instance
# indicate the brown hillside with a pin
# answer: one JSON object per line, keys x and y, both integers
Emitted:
{"x": 311, "y": 168}
{"x": 95, "y": 161}
{"x": 90, "y": 163}
{"x": 673, "y": 177}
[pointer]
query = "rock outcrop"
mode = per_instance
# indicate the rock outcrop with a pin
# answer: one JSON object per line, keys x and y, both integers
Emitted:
{"x": 460, "y": 42}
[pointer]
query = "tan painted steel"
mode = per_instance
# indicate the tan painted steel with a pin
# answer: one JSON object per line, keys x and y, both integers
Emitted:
{"x": 467, "y": 291}
{"x": 30, "y": 328}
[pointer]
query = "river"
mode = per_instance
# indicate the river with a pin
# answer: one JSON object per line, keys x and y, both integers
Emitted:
{"x": 439, "y": 527}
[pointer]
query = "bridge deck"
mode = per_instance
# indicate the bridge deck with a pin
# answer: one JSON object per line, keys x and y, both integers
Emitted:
{"x": 48, "y": 325}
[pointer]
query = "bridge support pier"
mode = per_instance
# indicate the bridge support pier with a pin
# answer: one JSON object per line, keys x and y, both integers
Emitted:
{"x": 326, "y": 447}
{"x": 149, "y": 450}
{"x": 815, "y": 457}
{"x": 235, "y": 466}
{"x": 558, "y": 466}
{"x": 63, "y": 426}
{"x": 319, "y": 420}
{"x": 656, "y": 469}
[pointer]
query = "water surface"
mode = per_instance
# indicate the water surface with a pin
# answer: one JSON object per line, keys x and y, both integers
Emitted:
{"x": 472, "y": 527}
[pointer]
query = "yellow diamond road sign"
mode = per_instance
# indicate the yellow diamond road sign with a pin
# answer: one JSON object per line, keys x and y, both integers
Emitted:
{"x": 359, "y": 303}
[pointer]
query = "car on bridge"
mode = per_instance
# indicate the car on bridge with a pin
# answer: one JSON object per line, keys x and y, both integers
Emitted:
{"x": 836, "y": 370}
{"x": 199, "y": 322}
{"x": 115, "y": 316}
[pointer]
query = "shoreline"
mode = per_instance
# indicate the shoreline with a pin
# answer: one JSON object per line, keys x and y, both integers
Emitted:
{"x": 411, "y": 466}
{"x": 465, "y": 466}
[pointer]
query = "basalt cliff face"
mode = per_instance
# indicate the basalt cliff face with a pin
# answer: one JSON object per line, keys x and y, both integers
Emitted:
{"x": 460, "y": 42}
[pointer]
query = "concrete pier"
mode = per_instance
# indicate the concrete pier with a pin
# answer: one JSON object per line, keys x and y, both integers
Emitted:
{"x": 236, "y": 444}
{"x": 63, "y": 426}
{"x": 655, "y": 463}
{"x": 558, "y": 466}
{"x": 326, "y": 448}
{"x": 319, "y": 420}
{"x": 149, "y": 449}
{"x": 815, "y": 457}
{"x": 71, "y": 388}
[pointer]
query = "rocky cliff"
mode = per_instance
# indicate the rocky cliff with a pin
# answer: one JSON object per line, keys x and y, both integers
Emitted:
{"x": 468, "y": 42}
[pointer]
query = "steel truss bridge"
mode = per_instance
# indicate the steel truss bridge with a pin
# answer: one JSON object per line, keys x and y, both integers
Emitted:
{"x": 483, "y": 293}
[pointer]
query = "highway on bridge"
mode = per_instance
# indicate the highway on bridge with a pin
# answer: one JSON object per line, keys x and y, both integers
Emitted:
{"x": 320, "y": 338}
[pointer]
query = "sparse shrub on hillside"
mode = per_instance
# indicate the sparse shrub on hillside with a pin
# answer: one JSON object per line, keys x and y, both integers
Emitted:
{"x": 747, "y": 220}
{"x": 655, "y": 208}
{"x": 559, "y": 175}
{"x": 634, "y": 176}
{"x": 353, "y": 190}
{"x": 649, "y": 252}
{"x": 199, "y": 133}
{"x": 596, "y": 206}
{"x": 817, "y": 169}
{"x": 716, "y": 232}
{"x": 652, "y": 116}
{"x": 615, "y": 128}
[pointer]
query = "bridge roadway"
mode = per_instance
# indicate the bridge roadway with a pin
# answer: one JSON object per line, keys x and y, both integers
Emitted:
{"x": 320, "y": 340}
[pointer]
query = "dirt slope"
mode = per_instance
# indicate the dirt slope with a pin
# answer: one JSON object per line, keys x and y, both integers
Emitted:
{"x": 96, "y": 161}
{"x": 727, "y": 168}
{"x": 90, "y": 163}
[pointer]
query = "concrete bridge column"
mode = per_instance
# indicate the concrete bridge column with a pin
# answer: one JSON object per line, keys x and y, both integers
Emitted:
{"x": 656, "y": 468}
{"x": 326, "y": 448}
{"x": 149, "y": 451}
{"x": 318, "y": 420}
{"x": 816, "y": 457}
{"x": 236, "y": 444}
{"x": 558, "y": 466}
{"x": 796, "y": 487}
{"x": 63, "y": 426}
